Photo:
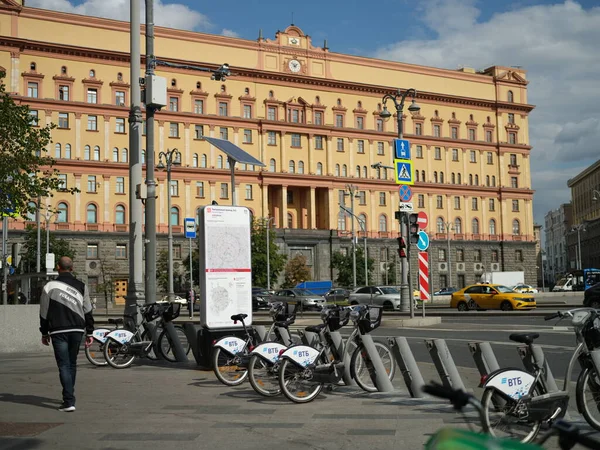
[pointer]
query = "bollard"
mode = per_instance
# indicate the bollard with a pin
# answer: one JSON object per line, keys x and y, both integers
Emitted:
{"x": 484, "y": 357}
{"x": 408, "y": 366}
{"x": 261, "y": 331}
{"x": 176, "y": 346}
{"x": 338, "y": 343}
{"x": 538, "y": 356}
{"x": 440, "y": 354}
{"x": 381, "y": 379}
{"x": 191, "y": 333}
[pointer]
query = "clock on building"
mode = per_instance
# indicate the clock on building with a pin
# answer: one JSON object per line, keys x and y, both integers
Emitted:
{"x": 295, "y": 65}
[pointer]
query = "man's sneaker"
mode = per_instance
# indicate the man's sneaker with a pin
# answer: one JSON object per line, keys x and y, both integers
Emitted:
{"x": 66, "y": 408}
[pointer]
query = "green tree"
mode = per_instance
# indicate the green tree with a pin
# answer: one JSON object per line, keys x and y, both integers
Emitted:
{"x": 343, "y": 264}
{"x": 258, "y": 238}
{"x": 26, "y": 171}
{"x": 58, "y": 246}
{"x": 162, "y": 277}
{"x": 296, "y": 271}
{"x": 106, "y": 285}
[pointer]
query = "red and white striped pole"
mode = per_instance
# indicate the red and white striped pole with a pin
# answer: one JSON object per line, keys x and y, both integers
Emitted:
{"x": 424, "y": 294}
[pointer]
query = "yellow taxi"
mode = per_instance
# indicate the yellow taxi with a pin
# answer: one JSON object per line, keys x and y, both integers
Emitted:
{"x": 490, "y": 296}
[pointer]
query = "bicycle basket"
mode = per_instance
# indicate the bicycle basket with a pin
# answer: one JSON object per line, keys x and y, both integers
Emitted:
{"x": 331, "y": 316}
{"x": 171, "y": 312}
{"x": 591, "y": 334}
{"x": 283, "y": 311}
{"x": 371, "y": 320}
{"x": 152, "y": 312}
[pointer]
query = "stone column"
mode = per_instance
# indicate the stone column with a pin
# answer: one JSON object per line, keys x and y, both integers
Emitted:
{"x": 283, "y": 164}
{"x": 312, "y": 209}
{"x": 161, "y": 137}
{"x": 329, "y": 150}
{"x": 310, "y": 169}
{"x": 265, "y": 200}
{"x": 106, "y": 207}
{"x": 187, "y": 154}
{"x": 77, "y": 198}
{"x": 211, "y": 156}
{"x": 213, "y": 194}
{"x": 333, "y": 208}
{"x": 15, "y": 62}
{"x": 77, "y": 136}
{"x": 284, "y": 210}
{"x": 188, "y": 198}
{"x": 107, "y": 150}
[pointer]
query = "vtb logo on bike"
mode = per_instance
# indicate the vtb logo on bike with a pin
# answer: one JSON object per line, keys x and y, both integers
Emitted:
{"x": 270, "y": 351}
{"x": 512, "y": 381}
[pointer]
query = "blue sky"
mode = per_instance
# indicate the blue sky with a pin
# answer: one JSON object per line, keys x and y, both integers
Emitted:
{"x": 555, "y": 41}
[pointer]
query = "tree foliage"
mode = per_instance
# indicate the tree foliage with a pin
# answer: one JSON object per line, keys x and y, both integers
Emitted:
{"x": 26, "y": 171}
{"x": 343, "y": 264}
{"x": 58, "y": 246}
{"x": 277, "y": 260}
{"x": 162, "y": 276}
{"x": 296, "y": 271}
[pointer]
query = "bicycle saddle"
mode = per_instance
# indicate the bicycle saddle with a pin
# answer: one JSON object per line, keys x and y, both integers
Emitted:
{"x": 524, "y": 338}
{"x": 236, "y": 317}
{"x": 315, "y": 328}
{"x": 116, "y": 321}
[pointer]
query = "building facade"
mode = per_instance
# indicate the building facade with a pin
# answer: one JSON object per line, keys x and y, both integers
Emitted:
{"x": 557, "y": 223}
{"x": 311, "y": 115}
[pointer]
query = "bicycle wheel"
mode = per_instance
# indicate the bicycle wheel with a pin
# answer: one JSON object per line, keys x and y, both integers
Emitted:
{"x": 509, "y": 418}
{"x": 360, "y": 372}
{"x": 228, "y": 369}
{"x": 295, "y": 383}
{"x": 588, "y": 396}
{"x": 263, "y": 376}
{"x": 117, "y": 355}
{"x": 165, "y": 346}
{"x": 152, "y": 353}
{"x": 95, "y": 354}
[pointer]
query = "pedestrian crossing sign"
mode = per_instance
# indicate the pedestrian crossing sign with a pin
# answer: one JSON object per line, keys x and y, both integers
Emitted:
{"x": 404, "y": 172}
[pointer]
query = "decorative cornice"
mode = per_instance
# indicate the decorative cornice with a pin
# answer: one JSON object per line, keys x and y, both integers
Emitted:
{"x": 175, "y": 91}
{"x": 197, "y": 93}
{"x": 247, "y": 98}
{"x": 92, "y": 81}
{"x": 33, "y": 75}
{"x": 119, "y": 84}
{"x": 223, "y": 95}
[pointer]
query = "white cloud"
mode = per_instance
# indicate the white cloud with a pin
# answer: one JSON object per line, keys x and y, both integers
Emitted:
{"x": 229, "y": 33}
{"x": 557, "y": 45}
{"x": 171, "y": 15}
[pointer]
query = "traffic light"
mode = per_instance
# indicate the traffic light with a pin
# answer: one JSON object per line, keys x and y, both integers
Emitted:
{"x": 16, "y": 254}
{"x": 413, "y": 228}
{"x": 401, "y": 247}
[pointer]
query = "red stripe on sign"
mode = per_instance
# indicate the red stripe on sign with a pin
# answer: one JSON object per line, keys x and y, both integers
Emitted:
{"x": 229, "y": 270}
{"x": 424, "y": 276}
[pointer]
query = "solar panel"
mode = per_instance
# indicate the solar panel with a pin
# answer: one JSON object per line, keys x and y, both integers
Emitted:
{"x": 233, "y": 151}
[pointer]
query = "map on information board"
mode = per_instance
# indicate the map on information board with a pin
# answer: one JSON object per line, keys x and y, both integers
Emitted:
{"x": 225, "y": 265}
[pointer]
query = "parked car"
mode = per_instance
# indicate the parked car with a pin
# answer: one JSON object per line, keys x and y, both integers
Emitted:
{"x": 524, "y": 288}
{"x": 307, "y": 299}
{"x": 337, "y": 295}
{"x": 386, "y": 296}
{"x": 261, "y": 299}
{"x": 591, "y": 297}
{"x": 445, "y": 291}
{"x": 491, "y": 296}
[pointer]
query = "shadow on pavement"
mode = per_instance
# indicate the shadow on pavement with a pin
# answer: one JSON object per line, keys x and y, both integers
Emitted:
{"x": 34, "y": 400}
{"x": 19, "y": 443}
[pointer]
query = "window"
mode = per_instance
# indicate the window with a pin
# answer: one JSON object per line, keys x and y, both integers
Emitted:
{"x": 57, "y": 151}
{"x": 92, "y": 95}
{"x": 360, "y": 123}
{"x": 419, "y": 152}
{"x": 63, "y": 120}
{"x": 344, "y": 170}
{"x": 247, "y": 111}
{"x": 421, "y": 201}
{"x": 92, "y": 213}
{"x": 92, "y": 250}
{"x": 492, "y": 227}
{"x": 382, "y": 200}
{"x": 63, "y": 93}
{"x": 362, "y": 220}
{"x": 454, "y": 132}
{"x": 512, "y": 138}
{"x": 380, "y": 149}
{"x": 173, "y": 129}
{"x": 477, "y": 255}
{"x": 379, "y": 124}
{"x": 493, "y": 180}
{"x": 442, "y": 254}
{"x": 362, "y": 197}
{"x": 341, "y": 221}
{"x": 272, "y": 165}
{"x": 32, "y": 89}
{"x": 513, "y": 160}
{"x": 318, "y": 118}
{"x": 339, "y": 120}
{"x": 439, "y": 202}
{"x": 120, "y": 98}
{"x": 360, "y": 146}
{"x": 203, "y": 160}
{"x": 173, "y": 104}
{"x": 120, "y": 185}
{"x": 515, "y": 205}
{"x": 456, "y": 202}
{"x": 319, "y": 169}
{"x": 300, "y": 167}
{"x": 120, "y": 126}
{"x": 436, "y": 131}
{"x": 198, "y": 106}
{"x": 510, "y": 96}
{"x": 471, "y": 134}
{"x": 296, "y": 141}
{"x": 492, "y": 204}
{"x": 198, "y": 131}
{"x": 223, "y": 109}
{"x": 518, "y": 255}
{"x": 490, "y": 158}
{"x": 120, "y": 215}
{"x": 200, "y": 189}
{"x": 86, "y": 152}
{"x": 494, "y": 256}
{"x": 382, "y": 223}
{"x": 33, "y": 114}
{"x": 92, "y": 123}
{"x": 271, "y": 113}
{"x": 247, "y": 137}
{"x": 91, "y": 183}
{"x": 457, "y": 225}
{"x": 224, "y": 190}
{"x": 63, "y": 213}
{"x": 248, "y": 192}
{"x": 475, "y": 226}
{"x": 318, "y": 142}
{"x": 115, "y": 154}
{"x": 62, "y": 178}
{"x": 439, "y": 225}
{"x": 174, "y": 188}
{"x": 488, "y": 136}
{"x": 454, "y": 154}
{"x": 514, "y": 182}
{"x": 121, "y": 251}
{"x": 174, "y": 216}
{"x": 224, "y": 133}
{"x": 340, "y": 145}
{"x": 511, "y": 118}
{"x": 176, "y": 251}
{"x": 460, "y": 255}
{"x": 292, "y": 167}
{"x": 195, "y": 160}
{"x": 337, "y": 170}
{"x": 124, "y": 155}
{"x": 437, "y": 153}
{"x": 474, "y": 204}
{"x": 473, "y": 154}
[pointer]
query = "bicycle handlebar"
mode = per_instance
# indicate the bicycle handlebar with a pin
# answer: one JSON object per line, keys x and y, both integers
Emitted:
{"x": 457, "y": 397}
{"x": 569, "y": 435}
{"x": 556, "y": 315}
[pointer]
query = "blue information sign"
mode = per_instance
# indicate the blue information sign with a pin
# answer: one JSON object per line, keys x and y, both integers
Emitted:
{"x": 423, "y": 242}
{"x": 402, "y": 149}
{"x": 190, "y": 228}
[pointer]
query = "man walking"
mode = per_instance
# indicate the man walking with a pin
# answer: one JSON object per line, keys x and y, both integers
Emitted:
{"x": 65, "y": 314}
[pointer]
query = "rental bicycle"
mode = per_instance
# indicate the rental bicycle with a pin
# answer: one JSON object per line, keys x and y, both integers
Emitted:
{"x": 95, "y": 352}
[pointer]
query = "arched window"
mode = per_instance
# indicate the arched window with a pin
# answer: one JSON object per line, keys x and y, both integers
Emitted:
{"x": 92, "y": 213}
{"x": 86, "y": 152}
{"x": 120, "y": 215}
{"x": 365, "y": 172}
{"x": 115, "y": 154}
{"x": 510, "y": 96}
{"x": 246, "y": 91}
{"x": 124, "y": 155}
{"x": 271, "y": 94}
{"x": 292, "y": 167}
{"x": 475, "y": 226}
{"x": 143, "y": 156}
{"x": 96, "y": 153}
{"x": 344, "y": 170}
{"x": 458, "y": 225}
{"x": 67, "y": 151}
{"x": 453, "y": 178}
{"x": 423, "y": 176}
{"x": 319, "y": 169}
{"x": 416, "y": 175}
{"x": 439, "y": 225}
{"x": 516, "y": 227}
{"x": 220, "y": 162}
{"x": 362, "y": 218}
{"x": 272, "y": 165}
{"x": 471, "y": 179}
{"x": 63, "y": 213}
{"x": 341, "y": 221}
{"x": 493, "y": 180}
{"x": 441, "y": 177}
{"x": 476, "y": 180}
{"x": 458, "y": 178}
{"x": 357, "y": 172}
{"x": 227, "y": 166}
{"x": 174, "y": 215}
{"x": 487, "y": 180}
{"x": 300, "y": 166}
{"x": 31, "y": 213}
{"x": 435, "y": 177}
{"x": 337, "y": 170}
{"x": 382, "y": 223}
{"x": 317, "y": 99}
{"x": 195, "y": 160}
{"x": 203, "y": 160}
{"x": 492, "y": 227}
{"x": 290, "y": 220}
{"x": 57, "y": 151}
{"x": 92, "y": 73}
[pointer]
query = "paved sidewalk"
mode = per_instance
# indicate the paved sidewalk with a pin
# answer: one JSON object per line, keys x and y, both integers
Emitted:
{"x": 156, "y": 405}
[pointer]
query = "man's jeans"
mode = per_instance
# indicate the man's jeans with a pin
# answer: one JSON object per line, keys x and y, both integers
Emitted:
{"x": 66, "y": 348}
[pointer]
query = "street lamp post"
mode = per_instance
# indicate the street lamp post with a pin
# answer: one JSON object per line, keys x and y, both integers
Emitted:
{"x": 542, "y": 262}
{"x": 579, "y": 228}
{"x": 398, "y": 98}
{"x": 170, "y": 157}
{"x": 268, "y": 227}
{"x": 352, "y": 192}
{"x": 448, "y": 226}
{"x": 363, "y": 227}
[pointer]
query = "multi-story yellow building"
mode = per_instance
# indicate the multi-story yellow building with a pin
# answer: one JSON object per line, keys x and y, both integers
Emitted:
{"x": 311, "y": 115}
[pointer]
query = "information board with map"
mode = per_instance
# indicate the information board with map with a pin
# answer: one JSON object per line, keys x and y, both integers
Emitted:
{"x": 225, "y": 265}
